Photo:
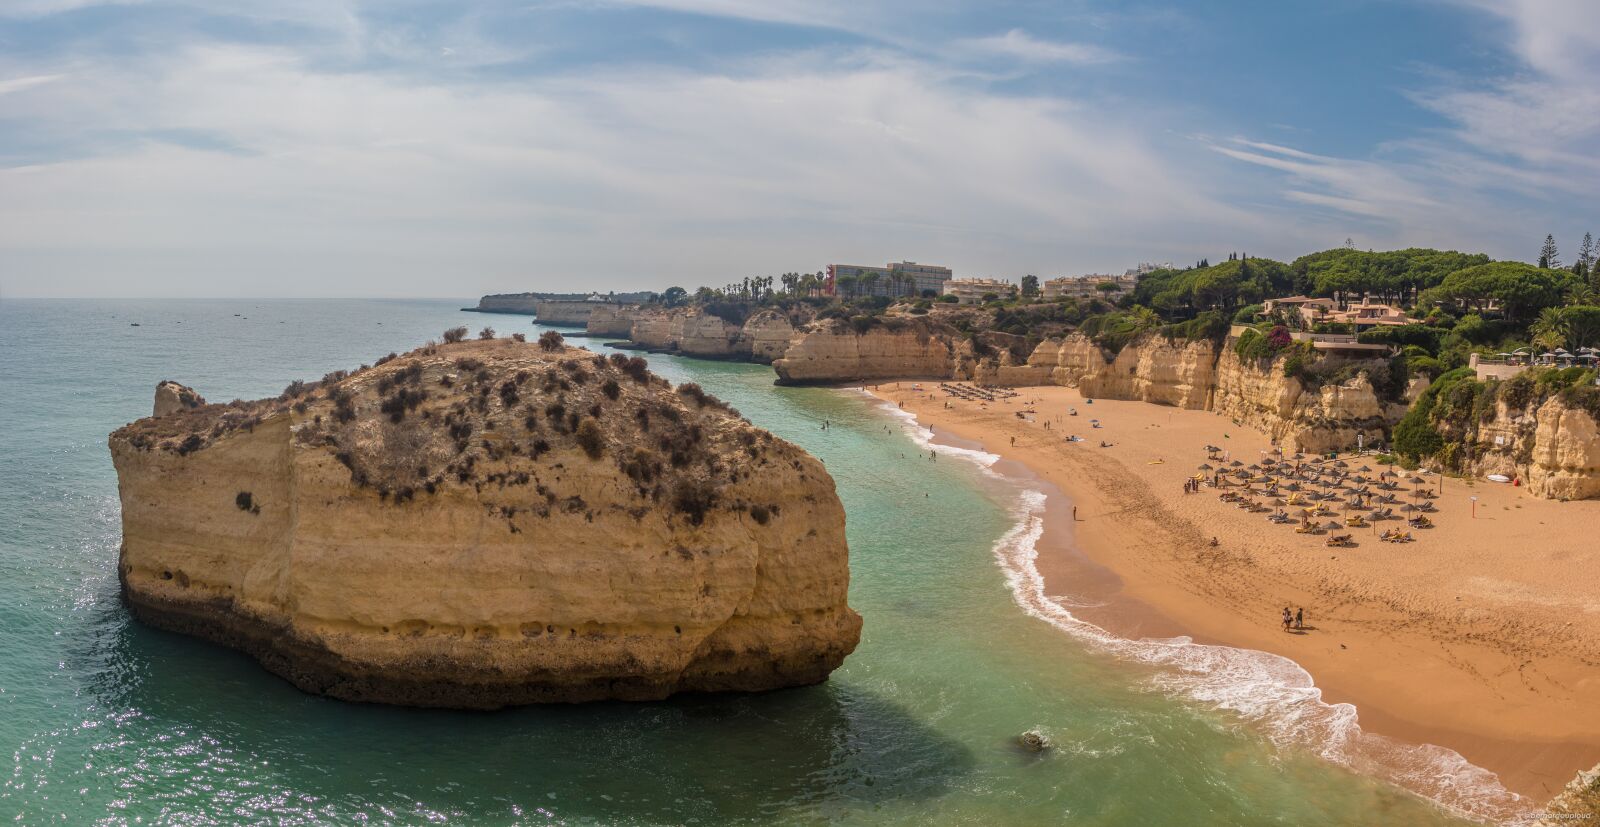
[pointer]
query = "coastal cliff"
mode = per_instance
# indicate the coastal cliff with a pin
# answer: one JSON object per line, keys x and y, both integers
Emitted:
{"x": 1577, "y": 803}
{"x": 1150, "y": 369}
{"x": 567, "y": 313}
{"x": 1329, "y": 416}
{"x": 1203, "y": 375}
{"x": 489, "y": 523}
{"x": 520, "y": 303}
{"x": 832, "y": 351}
{"x": 610, "y": 321}
{"x": 692, "y": 331}
{"x": 1551, "y": 445}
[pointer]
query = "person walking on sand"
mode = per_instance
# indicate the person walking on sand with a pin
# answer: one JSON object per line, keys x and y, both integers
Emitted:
{"x": 1300, "y": 618}
{"x": 1286, "y": 619}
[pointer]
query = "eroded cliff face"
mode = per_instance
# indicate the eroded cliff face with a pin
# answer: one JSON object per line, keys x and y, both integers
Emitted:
{"x": 567, "y": 313}
{"x": 171, "y": 396}
{"x": 1151, "y": 369}
{"x": 524, "y": 303}
{"x": 485, "y": 524}
{"x": 1553, "y": 448}
{"x": 831, "y": 351}
{"x": 1331, "y": 417}
{"x": 611, "y": 320}
{"x": 769, "y": 334}
{"x": 762, "y": 337}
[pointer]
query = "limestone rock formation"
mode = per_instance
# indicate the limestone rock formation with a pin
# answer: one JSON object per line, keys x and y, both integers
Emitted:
{"x": 564, "y": 312}
{"x": 1151, "y": 369}
{"x": 1577, "y": 803}
{"x": 171, "y": 396}
{"x": 489, "y": 523}
{"x": 832, "y": 351}
{"x": 520, "y": 303}
{"x": 1331, "y": 417}
{"x": 1553, "y": 447}
{"x": 692, "y": 331}
{"x": 768, "y": 334}
{"x": 611, "y": 320}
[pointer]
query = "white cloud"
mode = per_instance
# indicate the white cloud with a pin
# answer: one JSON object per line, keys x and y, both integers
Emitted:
{"x": 637, "y": 178}
{"x": 1023, "y": 46}
{"x": 1548, "y": 115}
{"x": 19, "y": 84}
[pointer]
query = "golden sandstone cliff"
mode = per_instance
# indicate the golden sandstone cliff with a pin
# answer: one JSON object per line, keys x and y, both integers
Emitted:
{"x": 762, "y": 337}
{"x": 1553, "y": 447}
{"x": 489, "y": 523}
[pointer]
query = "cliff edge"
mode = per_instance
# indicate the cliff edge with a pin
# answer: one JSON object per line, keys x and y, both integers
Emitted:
{"x": 489, "y": 523}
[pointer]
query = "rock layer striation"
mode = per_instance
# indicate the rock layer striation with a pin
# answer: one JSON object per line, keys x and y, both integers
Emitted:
{"x": 485, "y": 524}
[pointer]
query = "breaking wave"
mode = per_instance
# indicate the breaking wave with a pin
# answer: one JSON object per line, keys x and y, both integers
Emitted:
{"x": 1273, "y": 693}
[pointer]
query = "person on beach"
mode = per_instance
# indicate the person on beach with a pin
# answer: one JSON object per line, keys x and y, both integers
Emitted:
{"x": 1300, "y": 618}
{"x": 1287, "y": 619}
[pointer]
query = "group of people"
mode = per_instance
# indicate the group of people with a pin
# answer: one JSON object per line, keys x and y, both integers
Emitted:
{"x": 1296, "y": 620}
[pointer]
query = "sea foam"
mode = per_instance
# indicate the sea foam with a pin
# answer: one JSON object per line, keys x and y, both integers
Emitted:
{"x": 1273, "y": 693}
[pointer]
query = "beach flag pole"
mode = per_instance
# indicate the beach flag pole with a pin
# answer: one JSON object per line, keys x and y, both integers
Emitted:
{"x": 1474, "y": 507}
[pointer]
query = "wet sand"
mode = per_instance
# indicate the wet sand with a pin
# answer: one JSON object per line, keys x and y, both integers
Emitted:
{"x": 1482, "y": 636}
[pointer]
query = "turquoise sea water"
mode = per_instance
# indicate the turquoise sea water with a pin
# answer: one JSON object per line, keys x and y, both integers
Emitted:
{"x": 108, "y": 722}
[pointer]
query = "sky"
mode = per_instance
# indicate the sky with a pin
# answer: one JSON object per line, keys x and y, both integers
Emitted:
{"x": 421, "y": 148}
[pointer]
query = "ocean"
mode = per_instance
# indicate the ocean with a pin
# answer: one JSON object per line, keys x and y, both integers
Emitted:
{"x": 110, "y": 722}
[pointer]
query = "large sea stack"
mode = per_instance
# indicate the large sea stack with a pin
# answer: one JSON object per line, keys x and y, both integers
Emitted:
{"x": 488, "y": 523}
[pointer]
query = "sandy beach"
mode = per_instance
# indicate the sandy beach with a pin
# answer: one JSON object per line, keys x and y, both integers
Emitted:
{"x": 1482, "y": 636}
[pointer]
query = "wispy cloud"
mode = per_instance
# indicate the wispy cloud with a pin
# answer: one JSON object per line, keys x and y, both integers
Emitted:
{"x": 18, "y": 84}
{"x": 1019, "y": 44}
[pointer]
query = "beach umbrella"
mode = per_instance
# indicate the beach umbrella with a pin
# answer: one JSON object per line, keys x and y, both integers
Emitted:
{"x": 1236, "y": 464}
{"x": 1298, "y": 455}
{"x": 1363, "y": 469}
{"x": 1278, "y": 501}
{"x": 1205, "y": 466}
{"x": 1332, "y": 525}
{"x": 1415, "y": 480}
{"x": 1341, "y": 464}
{"x": 1408, "y": 508}
{"x": 1269, "y": 461}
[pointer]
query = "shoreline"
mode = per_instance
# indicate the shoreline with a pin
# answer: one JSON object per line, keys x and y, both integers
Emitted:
{"x": 1139, "y": 570}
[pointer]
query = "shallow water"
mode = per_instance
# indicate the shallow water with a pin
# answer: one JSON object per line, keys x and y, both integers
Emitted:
{"x": 107, "y": 721}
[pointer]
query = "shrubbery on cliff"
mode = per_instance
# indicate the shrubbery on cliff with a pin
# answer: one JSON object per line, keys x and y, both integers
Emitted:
{"x": 1449, "y": 413}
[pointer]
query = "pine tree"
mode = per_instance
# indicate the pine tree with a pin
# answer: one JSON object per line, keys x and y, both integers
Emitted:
{"x": 1548, "y": 256}
{"x": 1349, "y": 243}
{"x": 1586, "y": 252}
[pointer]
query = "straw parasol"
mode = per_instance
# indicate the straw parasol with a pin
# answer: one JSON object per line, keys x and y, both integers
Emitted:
{"x": 1205, "y": 466}
{"x": 1363, "y": 469}
{"x": 1408, "y": 508}
{"x": 1236, "y": 464}
{"x": 1332, "y": 525}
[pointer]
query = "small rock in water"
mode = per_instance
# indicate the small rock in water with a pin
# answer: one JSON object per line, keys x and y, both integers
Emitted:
{"x": 1034, "y": 741}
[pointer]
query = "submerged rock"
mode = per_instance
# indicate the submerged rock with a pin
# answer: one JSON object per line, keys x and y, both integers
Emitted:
{"x": 1034, "y": 741}
{"x": 489, "y": 523}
